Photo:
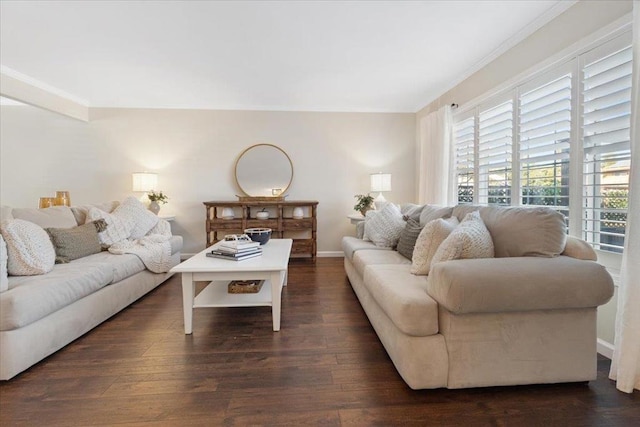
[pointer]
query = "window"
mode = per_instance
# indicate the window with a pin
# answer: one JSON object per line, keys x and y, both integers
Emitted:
{"x": 464, "y": 133}
{"x": 544, "y": 137}
{"x": 559, "y": 139}
{"x": 495, "y": 126}
{"x": 606, "y": 143}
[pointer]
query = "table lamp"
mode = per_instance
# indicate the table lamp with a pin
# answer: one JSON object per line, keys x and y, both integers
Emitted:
{"x": 143, "y": 182}
{"x": 380, "y": 182}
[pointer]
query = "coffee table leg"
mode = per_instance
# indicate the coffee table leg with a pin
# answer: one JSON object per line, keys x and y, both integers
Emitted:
{"x": 188, "y": 291}
{"x": 276, "y": 295}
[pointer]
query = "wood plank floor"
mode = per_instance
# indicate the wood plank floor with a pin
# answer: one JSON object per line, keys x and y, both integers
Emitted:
{"x": 325, "y": 367}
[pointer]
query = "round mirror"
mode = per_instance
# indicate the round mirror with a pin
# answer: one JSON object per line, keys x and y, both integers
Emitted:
{"x": 264, "y": 170}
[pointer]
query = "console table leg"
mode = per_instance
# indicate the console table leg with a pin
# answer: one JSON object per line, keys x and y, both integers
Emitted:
{"x": 188, "y": 291}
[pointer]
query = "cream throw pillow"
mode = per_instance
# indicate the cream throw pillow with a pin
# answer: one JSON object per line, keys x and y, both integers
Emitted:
{"x": 4, "y": 280}
{"x": 430, "y": 238}
{"x": 384, "y": 227}
{"x": 470, "y": 239}
{"x": 29, "y": 249}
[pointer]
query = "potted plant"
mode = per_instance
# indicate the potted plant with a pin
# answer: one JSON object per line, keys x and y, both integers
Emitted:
{"x": 364, "y": 203}
{"x": 156, "y": 198}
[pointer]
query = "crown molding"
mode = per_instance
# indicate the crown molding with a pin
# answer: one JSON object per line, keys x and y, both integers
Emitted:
{"x": 22, "y": 88}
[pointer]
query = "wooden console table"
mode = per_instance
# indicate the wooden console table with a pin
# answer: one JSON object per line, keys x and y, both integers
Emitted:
{"x": 280, "y": 221}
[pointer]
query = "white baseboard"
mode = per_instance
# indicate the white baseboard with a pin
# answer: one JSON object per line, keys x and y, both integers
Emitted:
{"x": 330, "y": 254}
{"x": 605, "y": 348}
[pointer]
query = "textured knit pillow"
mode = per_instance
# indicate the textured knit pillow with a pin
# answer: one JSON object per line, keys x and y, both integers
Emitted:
{"x": 118, "y": 229}
{"x": 430, "y": 238}
{"x": 470, "y": 239}
{"x": 384, "y": 228}
{"x": 76, "y": 242}
{"x": 132, "y": 210}
{"x": 4, "y": 280}
{"x": 29, "y": 250}
{"x": 408, "y": 238}
{"x": 367, "y": 217}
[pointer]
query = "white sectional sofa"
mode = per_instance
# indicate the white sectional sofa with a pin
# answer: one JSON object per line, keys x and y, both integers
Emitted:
{"x": 525, "y": 316}
{"x": 40, "y": 314}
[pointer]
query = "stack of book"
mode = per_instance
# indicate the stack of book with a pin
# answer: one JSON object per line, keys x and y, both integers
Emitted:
{"x": 235, "y": 250}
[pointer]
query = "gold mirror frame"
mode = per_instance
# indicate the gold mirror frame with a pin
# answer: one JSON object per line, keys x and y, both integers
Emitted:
{"x": 256, "y": 174}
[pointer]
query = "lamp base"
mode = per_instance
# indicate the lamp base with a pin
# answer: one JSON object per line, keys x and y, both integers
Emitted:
{"x": 379, "y": 202}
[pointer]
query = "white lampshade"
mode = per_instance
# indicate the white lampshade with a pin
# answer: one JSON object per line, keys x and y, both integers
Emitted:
{"x": 380, "y": 182}
{"x": 144, "y": 181}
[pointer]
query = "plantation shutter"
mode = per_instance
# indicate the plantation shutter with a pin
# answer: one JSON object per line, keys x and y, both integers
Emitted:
{"x": 464, "y": 133}
{"x": 495, "y": 137}
{"x": 606, "y": 93}
{"x": 544, "y": 136}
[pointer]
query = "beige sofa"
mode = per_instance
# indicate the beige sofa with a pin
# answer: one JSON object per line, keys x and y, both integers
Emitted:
{"x": 526, "y": 316}
{"x": 40, "y": 314}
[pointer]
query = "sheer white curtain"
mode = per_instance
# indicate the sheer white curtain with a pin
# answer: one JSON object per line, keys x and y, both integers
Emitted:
{"x": 435, "y": 179}
{"x": 625, "y": 366}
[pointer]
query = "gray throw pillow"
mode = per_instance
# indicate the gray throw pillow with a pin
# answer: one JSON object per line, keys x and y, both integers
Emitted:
{"x": 408, "y": 238}
{"x": 76, "y": 242}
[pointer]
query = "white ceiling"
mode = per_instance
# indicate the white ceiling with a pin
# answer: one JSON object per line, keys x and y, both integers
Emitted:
{"x": 263, "y": 55}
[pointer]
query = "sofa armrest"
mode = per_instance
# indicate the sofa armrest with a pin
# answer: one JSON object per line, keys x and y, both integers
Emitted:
{"x": 494, "y": 285}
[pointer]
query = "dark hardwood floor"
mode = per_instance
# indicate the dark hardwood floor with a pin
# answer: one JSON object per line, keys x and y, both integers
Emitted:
{"x": 325, "y": 367}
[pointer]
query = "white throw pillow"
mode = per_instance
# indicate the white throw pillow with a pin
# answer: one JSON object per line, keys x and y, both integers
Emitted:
{"x": 384, "y": 227}
{"x": 118, "y": 229}
{"x": 4, "y": 280}
{"x": 470, "y": 239}
{"x": 367, "y": 217}
{"x": 428, "y": 242}
{"x": 132, "y": 210}
{"x": 29, "y": 249}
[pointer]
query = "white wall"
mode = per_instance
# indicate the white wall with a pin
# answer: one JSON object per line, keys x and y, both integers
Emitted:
{"x": 194, "y": 152}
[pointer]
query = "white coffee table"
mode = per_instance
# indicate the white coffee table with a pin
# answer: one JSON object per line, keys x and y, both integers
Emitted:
{"x": 270, "y": 267}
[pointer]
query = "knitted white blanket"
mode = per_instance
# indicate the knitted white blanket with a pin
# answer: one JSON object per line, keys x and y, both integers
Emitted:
{"x": 154, "y": 249}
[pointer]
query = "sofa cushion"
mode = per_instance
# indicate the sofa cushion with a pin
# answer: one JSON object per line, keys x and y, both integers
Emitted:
{"x": 29, "y": 250}
{"x": 429, "y": 240}
{"x": 122, "y": 266}
{"x": 383, "y": 227}
{"x": 32, "y": 298}
{"x": 352, "y": 244}
{"x": 6, "y": 213}
{"x": 431, "y": 212}
{"x": 4, "y": 279}
{"x": 403, "y": 298}
{"x": 55, "y": 216}
{"x": 527, "y": 231}
{"x": 363, "y": 258}
{"x": 408, "y": 237}
{"x": 81, "y": 212}
{"x": 469, "y": 240}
